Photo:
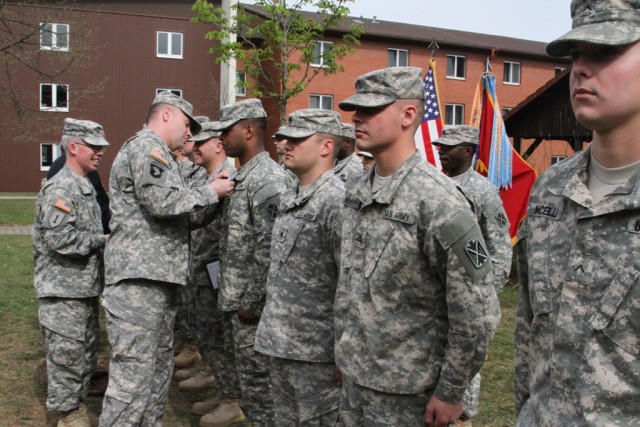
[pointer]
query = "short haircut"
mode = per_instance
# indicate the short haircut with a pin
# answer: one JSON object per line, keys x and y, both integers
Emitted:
{"x": 337, "y": 142}
{"x": 65, "y": 141}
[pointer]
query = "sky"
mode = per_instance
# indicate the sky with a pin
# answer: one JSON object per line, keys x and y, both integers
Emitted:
{"x": 540, "y": 20}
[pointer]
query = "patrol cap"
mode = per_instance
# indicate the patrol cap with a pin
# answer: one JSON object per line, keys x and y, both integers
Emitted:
{"x": 608, "y": 22}
{"x": 232, "y": 114}
{"x": 90, "y": 132}
{"x": 347, "y": 130}
{"x": 304, "y": 123}
{"x": 276, "y": 136}
{"x": 458, "y": 134}
{"x": 167, "y": 97}
{"x": 382, "y": 87}
{"x": 202, "y": 119}
{"x": 365, "y": 154}
{"x": 208, "y": 131}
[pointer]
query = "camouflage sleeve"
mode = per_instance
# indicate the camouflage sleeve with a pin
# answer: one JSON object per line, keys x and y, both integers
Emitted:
{"x": 473, "y": 309}
{"x": 495, "y": 230}
{"x": 334, "y": 231}
{"x": 265, "y": 207}
{"x": 58, "y": 217}
{"x": 524, "y": 317}
{"x": 160, "y": 188}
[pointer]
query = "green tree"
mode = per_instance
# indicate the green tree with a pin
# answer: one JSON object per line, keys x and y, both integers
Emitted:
{"x": 275, "y": 43}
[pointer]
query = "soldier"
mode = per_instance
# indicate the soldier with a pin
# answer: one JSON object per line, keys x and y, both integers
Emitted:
{"x": 457, "y": 148}
{"x": 577, "y": 348}
{"x": 67, "y": 251}
{"x": 348, "y": 165}
{"x": 296, "y": 327}
{"x": 147, "y": 259}
{"x": 414, "y": 313}
{"x": 244, "y": 259}
{"x": 366, "y": 158}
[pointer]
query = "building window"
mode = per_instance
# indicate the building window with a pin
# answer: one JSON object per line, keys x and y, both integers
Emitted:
{"x": 456, "y": 67}
{"x": 241, "y": 80}
{"x": 559, "y": 70}
{"x": 48, "y": 153}
{"x": 454, "y": 114}
{"x": 505, "y": 110}
{"x": 512, "y": 73}
{"x": 320, "y": 49}
{"x": 321, "y": 101}
{"x": 169, "y": 45}
{"x": 54, "y": 97}
{"x": 557, "y": 159}
{"x": 54, "y": 36}
{"x": 398, "y": 57}
{"x": 177, "y": 92}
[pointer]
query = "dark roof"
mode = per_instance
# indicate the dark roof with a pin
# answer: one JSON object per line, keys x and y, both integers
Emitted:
{"x": 160, "y": 8}
{"x": 420, "y": 34}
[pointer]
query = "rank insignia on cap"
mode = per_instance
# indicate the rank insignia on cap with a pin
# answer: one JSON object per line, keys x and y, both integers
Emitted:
{"x": 476, "y": 252}
{"x": 63, "y": 204}
{"x": 159, "y": 156}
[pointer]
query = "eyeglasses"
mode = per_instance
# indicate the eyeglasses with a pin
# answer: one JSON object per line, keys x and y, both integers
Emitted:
{"x": 95, "y": 148}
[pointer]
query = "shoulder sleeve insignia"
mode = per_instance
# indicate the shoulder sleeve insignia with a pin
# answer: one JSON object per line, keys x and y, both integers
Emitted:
{"x": 159, "y": 156}
{"x": 271, "y": 211}
{"x": 63, "y": 204}
{"x": 502, "y": 220}
{"x": 476, "y": 252}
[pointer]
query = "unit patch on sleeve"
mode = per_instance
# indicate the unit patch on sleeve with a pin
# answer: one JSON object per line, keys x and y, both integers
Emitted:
{"x": 502, "y": 220}
{"x": 476, "y": 252}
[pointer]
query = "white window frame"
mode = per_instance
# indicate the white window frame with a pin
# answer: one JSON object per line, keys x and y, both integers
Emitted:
{"x": 54, "y": 98}
{"x": 241, "y": 78}
{"x": 320, "y": 99}
{"x": 323, "y": 50}
{"x": 450, "y": 118}
{"x": 172, "y": 90}
{"x": 54, "y": 31}
{"x": 508, "y": 77}
{"x": 557, "y": 159}
{"x": 396, "y": 53}
{"x": 456, "y": 66}
{"x": 168, "y": 54}
{"x": 559, "y": 70}
{"x": 505, "y": 110}
{"x": 55, "y": 153}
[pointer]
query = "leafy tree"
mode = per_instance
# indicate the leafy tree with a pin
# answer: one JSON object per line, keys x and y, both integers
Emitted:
{"x": 275, "y": 43}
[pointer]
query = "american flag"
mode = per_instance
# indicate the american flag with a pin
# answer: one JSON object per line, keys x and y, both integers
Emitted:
{"x": 431, "y": 127}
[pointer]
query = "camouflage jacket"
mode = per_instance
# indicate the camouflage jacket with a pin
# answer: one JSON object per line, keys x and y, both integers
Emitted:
{"x": 413, "y": 310}
{"x": 297, "y": 321}
{"x": 493, "y": 222}
{"x": 248, "y": 216}
{"x": 67, "y": 239}
{"x": 578, "y": 324}
{"x": 349, "y": 169}
{"x": 152, "y": 213}
{"x": 192, "y": 173}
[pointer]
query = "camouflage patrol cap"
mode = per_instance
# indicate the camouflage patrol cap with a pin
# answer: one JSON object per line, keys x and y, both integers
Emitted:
{"x": 167, "y": 97}
{"x": 382, "y": 87}
{"x": 304, "y": 123}
{"x": 347, "y": 130}
{"x": 90, "y": 132}
{"x": 276, "y": 135}
{"x": 208, "y": 131}
{"x": 608, "y": 22}
{"x": 365, "y": 154}
{"x": 202, "y": 119}
{"x": 458, "y": 134}
{"x": 232, "y": 114}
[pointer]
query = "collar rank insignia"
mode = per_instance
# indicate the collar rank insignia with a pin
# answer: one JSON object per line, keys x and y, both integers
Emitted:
{"x": 476, "y": 252}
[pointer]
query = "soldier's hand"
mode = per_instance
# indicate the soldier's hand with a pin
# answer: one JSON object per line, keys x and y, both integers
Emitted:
{"x": 441, "y": 414}
{"x": 247, "y": 316}
{"x": 223, "y": 187}
{"x": 223, "y": 174}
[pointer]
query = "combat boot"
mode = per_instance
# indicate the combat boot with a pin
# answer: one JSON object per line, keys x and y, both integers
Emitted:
{"x": 183, "y": 374}
{"x": 227, "y": 413}
{"x": 202, "y": 381}
{"x": 76, "y": 418}
{"x": 203, "y": 408}
{"x": 187, "y": 357}
{"x": 462, "y": 423}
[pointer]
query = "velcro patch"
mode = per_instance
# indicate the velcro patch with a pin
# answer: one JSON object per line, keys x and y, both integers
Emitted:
{"x": 159, "y": 156}
{"x": 352, "y": 202}
{"x": 476, "y": 252}
{"x": 405, "y": 217}
{"x": 63, "y": 204}
{"x": 548, "y": 211}
{"x": 502, "y": 220}
{"x": 309, "y": 216}
{"x": 271, "y": 211}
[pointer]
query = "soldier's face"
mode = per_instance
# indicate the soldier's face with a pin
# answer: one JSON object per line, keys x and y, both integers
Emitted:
{"x": 179, "y": 129}
{"x": 88, "y": 156}
{"x": 604, "y": 85}
{"x": 205, "y": 154}
{"x": 302, "y": 154}
{"x": 233, "y": 140}
{"x": 376, "y": 128}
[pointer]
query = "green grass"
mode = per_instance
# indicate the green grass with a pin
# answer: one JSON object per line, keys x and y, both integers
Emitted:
{"x": 17, "y": 211}
{"x": 23, "y": 384}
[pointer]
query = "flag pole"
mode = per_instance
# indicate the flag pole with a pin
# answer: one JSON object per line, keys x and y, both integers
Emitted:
{"x": 433, "y": 46}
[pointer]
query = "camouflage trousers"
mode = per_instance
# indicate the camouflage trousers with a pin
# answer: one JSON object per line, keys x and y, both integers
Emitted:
{"x": 185, "y": 324}
{"x": 362, "y": 406}
{"x": 304, "y": 394}
{"x": 471, "y": 397}
{"x": 251, "y": 369}
{"x": 70, "y": 331}
{"x": 211, "y": 341}
{"x": 140, "y": 318}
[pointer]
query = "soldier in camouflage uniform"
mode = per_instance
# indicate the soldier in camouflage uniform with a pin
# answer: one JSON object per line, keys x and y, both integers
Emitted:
{"x": 296, "y": 327}
{"x": 578, "y": 324}
{"x": 147, "y": 259}
{"x": 414, "y": 311}
{"x": 457, "y": 147}
{"x": 67, "y": 253}
{"x": 244, "y": 259}
{"x": 348, "y": 165}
